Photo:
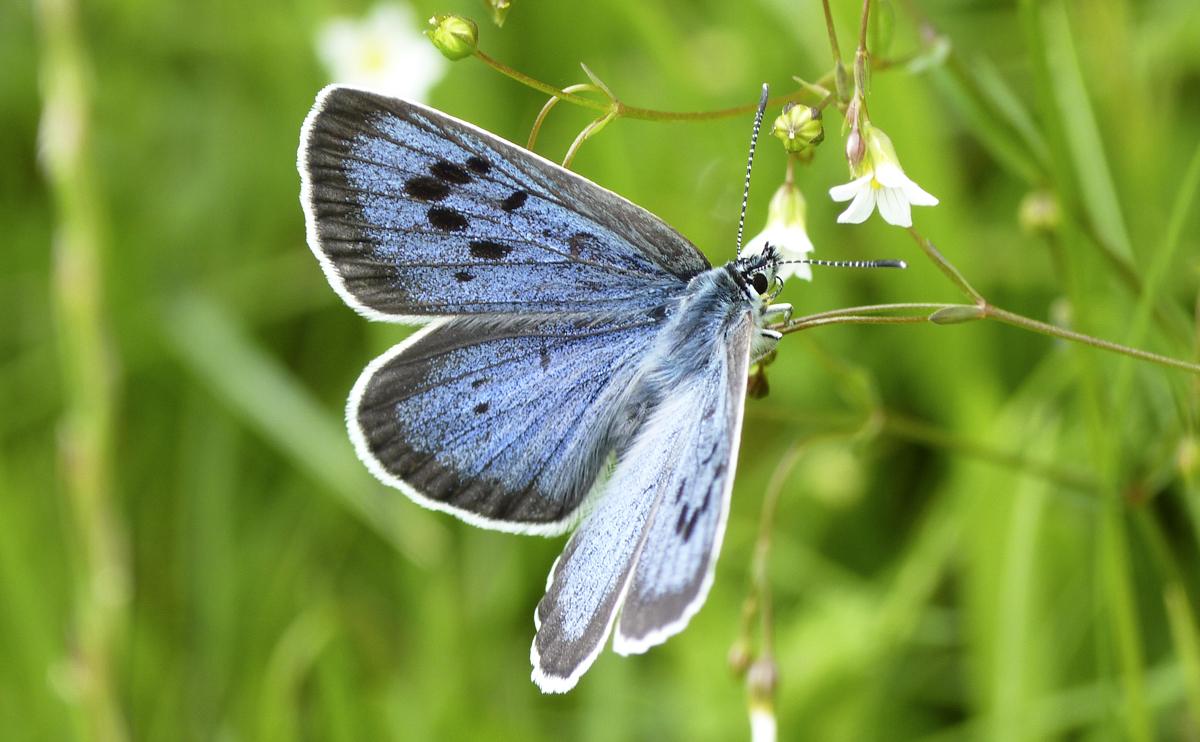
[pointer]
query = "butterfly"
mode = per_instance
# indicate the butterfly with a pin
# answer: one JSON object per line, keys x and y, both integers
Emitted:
{"x": 582, "y": 366}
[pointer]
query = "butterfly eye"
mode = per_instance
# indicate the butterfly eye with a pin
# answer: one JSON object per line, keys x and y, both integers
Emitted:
{"x": 760, "y": 283}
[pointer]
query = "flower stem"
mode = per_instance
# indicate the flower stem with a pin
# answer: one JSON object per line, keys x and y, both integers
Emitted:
{"x": 96, "y": 611}
{"x": 841, "y": 84}
{"x": 536, "y": 84}
{"x": 1017, "y": 320}
{"x": 870, "y": 315}
{"x": 946, "y": 267}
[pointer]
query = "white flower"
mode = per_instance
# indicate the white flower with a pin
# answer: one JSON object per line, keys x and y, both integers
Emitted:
{"x": 880, "y": 181}
{"x": 763, "y": 727}
{"x": 785, "y": 232}
{"x": 382, "y": 51}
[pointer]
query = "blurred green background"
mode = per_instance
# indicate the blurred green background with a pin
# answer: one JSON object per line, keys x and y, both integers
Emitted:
{"x": 981, "y": 533}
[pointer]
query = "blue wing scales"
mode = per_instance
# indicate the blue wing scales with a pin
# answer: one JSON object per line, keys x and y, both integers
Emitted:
{"x": 414, "y": 214}
{"x": 503, "y": 423}
{"x": 648, "y": 550}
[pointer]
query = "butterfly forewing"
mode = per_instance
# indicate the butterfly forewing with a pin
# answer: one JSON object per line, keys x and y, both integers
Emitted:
{"x": 414, "y": 214}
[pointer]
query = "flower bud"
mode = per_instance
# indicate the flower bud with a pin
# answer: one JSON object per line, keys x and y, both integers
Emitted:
{"x": 499, "y": 10}
{"x": 856, "y": 148}
{"x": 1187, "y": 456}
{"x": 454, "y": 36}
{"x": 740, "y": 657}
{"x": 1038, "y": 212}
{"x": 799, "y": 128}
{"x": 956, "y": 315}
{"x": 763, "y": 679}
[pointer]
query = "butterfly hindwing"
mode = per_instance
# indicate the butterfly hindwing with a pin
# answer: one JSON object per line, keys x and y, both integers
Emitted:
{"x": 505, "y": 423}
{"x": 414, "y": 214}
{"x": 675, "y": 567}
{"x": 647, "y": 551}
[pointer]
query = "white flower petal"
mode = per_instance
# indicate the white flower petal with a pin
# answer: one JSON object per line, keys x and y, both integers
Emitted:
{"x": 792, "y": 243}
{"x": 847, "y": 191}
{"x": 916, "y": 195}
{"x": 757, "y": 243}
{"x": 890, "y": 175}
{"x": 894, "y": 208}
{"x": 383, "y": 51}
{"x": 860, "y": 208}
{"x": 795, "y": 270}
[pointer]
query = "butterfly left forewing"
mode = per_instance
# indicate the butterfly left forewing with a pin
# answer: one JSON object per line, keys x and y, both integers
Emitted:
{"x": 414, "y": 214}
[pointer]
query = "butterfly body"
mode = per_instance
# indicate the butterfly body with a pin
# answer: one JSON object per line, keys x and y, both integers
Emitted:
{"x": 582, "y": 365}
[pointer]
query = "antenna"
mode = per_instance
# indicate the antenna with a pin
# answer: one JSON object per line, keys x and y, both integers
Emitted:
{"x": 758, "y": 117}
{"x": 849, "y": 263}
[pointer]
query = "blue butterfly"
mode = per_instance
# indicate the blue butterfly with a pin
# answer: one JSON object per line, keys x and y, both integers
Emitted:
{"x": 582, "y": 366}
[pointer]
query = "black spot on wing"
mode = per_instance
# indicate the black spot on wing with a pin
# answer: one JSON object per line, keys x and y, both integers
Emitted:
{"x": 489, "y": 249}
{"x": 450, "y": 172}
{"x": 425, "y": 188}
{"x": 478, "y": 164}
{"x": 463, "y": 276}
{"x": 544, "y": 357}
{"x": 515, "y": 201}
{"x": 579, "y": 241}
{"x": 447, "y": 220}
{"x": 480, "y": 382}
{"x": 481, "y": 408}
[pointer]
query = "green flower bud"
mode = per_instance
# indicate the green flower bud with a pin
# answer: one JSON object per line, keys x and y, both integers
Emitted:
{"x": 956, "y": 315}
{"x": 499, "y": 10}
{"x": 1039, "y": 212}
{"x": 740, "y": 657}
{"x": 762, "y": 679}
{"x": 454, "y": 36}
{"x": 799, "y": 128}
{"x": 1187, "y": 456}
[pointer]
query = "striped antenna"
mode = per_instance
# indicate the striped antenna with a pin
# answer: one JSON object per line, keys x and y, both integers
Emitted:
{"x": 849, "y": 263}
{"x": 758, "y": 117}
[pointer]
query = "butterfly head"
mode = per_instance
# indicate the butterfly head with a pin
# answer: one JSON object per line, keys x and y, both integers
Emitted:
{"x": 759, "y": 271}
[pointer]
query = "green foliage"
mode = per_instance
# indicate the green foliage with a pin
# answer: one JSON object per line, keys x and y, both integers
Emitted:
{"x": 987, "y": 534}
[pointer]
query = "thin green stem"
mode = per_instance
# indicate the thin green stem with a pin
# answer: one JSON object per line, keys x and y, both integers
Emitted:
{"x": 841, "y": 84}
{"x": 868, "y": 315}
{"x": 833, "y": 42}
{"x": 946, "y": 267}
{"x": 588, "y": 131}
{"x": 876, "y": 309}
{"x": 626, "y": 111}
{"x": 853, "y": 319}
{"x": 98, "y": 605}
{"x": 553, "y": 101}
{"x": 862, "y": 27}
{"x": 537, "y": 84}
{"x": 993, "y": 312}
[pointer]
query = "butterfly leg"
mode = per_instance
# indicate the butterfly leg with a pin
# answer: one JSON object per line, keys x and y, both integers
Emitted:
{"x": 763, "y": 343}
{"x": 778, "y": 309}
